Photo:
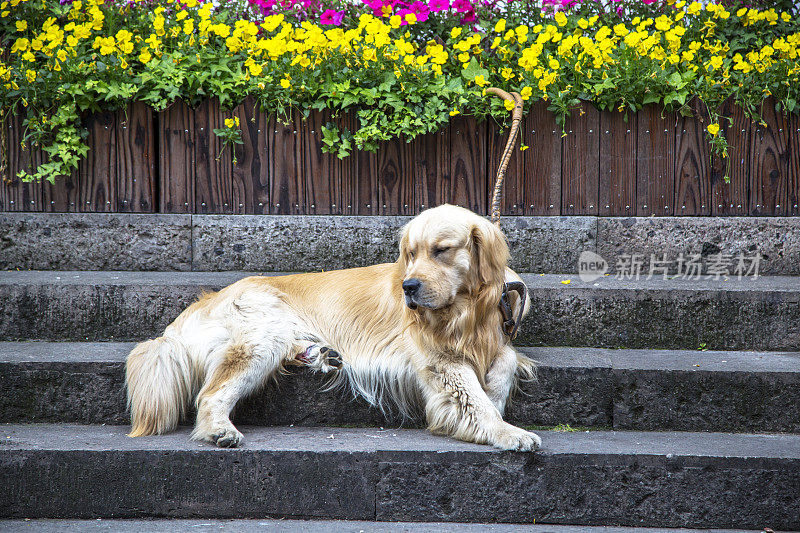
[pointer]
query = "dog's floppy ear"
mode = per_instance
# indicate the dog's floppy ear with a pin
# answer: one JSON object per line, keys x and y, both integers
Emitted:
{"x": 403, "y": 244}
{"x": 490, "y": 252}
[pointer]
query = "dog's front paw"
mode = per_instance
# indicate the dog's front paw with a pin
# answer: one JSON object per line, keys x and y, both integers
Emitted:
{"x": 321, "y": 358}
{"x": 514, "y": 438}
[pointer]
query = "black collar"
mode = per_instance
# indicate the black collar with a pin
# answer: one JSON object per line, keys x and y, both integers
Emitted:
{"x": 510, "y": 324}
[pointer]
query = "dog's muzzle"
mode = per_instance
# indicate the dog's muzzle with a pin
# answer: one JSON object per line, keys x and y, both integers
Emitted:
{"x": 411, "y": 288}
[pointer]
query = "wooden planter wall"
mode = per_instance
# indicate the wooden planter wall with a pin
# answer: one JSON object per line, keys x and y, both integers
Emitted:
{"x": 653, "y": 164}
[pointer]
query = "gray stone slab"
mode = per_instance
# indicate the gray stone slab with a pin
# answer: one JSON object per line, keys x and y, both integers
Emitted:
{"x": 726, "y": 314}
{"x": 95, "y": 241}
{"x": 288, "y": 243}
{"x": 758, "y": 314}
{"x": 624, "y": 389}
{"x": 597, "y": 478}
{"x": 312, "y": 526}
{"x": 777, "y": 239}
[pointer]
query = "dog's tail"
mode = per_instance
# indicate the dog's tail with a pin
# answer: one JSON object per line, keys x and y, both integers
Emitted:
{"x": 160, "y": 382}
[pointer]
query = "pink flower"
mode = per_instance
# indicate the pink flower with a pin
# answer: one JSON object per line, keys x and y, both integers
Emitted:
{"x": 469, "y": 17}
{"x": 462, "y": 6}
{"x": 332, "y": 17}
{"x": 648, "y": 2}
{"x": 420, "y": 8}
{"x": 439, "y": 5}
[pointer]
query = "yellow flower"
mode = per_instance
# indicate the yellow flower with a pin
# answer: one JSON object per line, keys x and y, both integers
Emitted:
{"x": 455, "y": 32}
{"x": 481, "y": 81}
{"x": 583, "y": 23}
{"x": 256, "y": 69}
{"x": 229, "y": 122}
{"x": 500, "y": 27}
{"x": 566, "y": 281}
{"x": 22, "y": 25}
{"x": 145, "y": 56}
{"x": 30, "y": 75}
{"x": 61, "y": 55}
{"x": 236, "y": 121}
{"x": 285, "y": 83}
{"x": 509, "y": 104}
{"x": 561, "y": 19}
{"x": 713, "y": 129}
{"x": 454, "y": 112}
{"x": 554, "y": 64}
{"x": 526, "y": 93}
{"x": 411, "y": 18}
{"x": 394, "y": 21}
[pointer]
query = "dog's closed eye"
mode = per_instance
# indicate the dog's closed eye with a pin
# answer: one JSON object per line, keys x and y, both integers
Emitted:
{"x": 439, "y": 250}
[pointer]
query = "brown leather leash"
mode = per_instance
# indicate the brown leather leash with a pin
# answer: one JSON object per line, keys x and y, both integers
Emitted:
{"x": 510, "y": 323}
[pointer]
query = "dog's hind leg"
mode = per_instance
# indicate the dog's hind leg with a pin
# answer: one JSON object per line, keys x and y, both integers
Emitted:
{"x": 318, "y": 357}
{"x": 241, "y": 370}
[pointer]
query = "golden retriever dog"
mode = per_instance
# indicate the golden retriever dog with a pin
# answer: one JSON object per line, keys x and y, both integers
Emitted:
{"x": 424, "y": 331}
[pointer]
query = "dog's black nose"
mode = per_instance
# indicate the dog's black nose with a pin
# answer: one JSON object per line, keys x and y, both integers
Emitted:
{"x": 411, "y": 286}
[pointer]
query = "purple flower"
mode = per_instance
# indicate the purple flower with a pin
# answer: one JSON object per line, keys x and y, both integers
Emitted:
{"x": 462, "y": 6}
{"x": 331, "y": 16}
{"x": 469, "y": 17}
{"x": 439, "y": 5}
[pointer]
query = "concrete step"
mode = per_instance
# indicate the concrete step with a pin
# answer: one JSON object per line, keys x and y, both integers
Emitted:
{"x": 125, "y": 241}
{"x": 586, "y": 478}
{"x": 581, "y": 387}
{"x": 727, "y": 314}
{"x": 166, "y": 525}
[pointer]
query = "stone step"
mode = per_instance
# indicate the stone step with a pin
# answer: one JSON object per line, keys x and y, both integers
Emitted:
{"x": 580, "y": 387}
{"x": 126, "y": 241}
{"x": 585, "y": 478}
{"x": 166, "y": 525}
{"x": 727, "y": 314}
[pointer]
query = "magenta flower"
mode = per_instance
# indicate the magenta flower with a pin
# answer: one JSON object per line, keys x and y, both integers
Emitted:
{"x": 462, "y": 6}
{"x": 469, "y": 17}
{"x": 439, "y": 5}
{"x": 330, "y": 16}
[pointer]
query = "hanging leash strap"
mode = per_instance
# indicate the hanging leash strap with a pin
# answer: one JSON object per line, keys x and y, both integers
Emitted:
{"x": 516, "y": 118}
{"x": 510, "y": 323}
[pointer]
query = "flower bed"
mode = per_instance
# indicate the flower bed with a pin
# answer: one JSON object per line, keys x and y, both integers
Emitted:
{"x": 405, "y": 68}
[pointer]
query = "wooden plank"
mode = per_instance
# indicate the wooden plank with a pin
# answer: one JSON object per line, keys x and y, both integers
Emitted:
{"x": 251, "y": 171}
{"x": 769, "y": 163}
{"x": 513, "y": 192}
{"x": 15, "y": 194}
{"x": 655, "y": 162}
{"x": 542, "y": 162}
{"x": 431, "y": 160}
{"x": 692, "y": 163}
{"x": 359, "y": 176}
{"x": 468, "y": 181}
{"x": 322, "y": 172}
{"x": 793, "y": 194}
{"x": 136, "y": 170}
{"x": 286, "y": 176}
{"x": 176, "y": 160}
{"x": 732, "y": 198}
{"x": 97, "y": 173}
{"x": 395, "y": 178}
{"x": 581, "y": 162}
{"x": 617, "y": 187}
{"x": 213, "y": 164}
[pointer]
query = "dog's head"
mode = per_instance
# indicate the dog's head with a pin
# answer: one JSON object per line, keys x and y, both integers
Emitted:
{"x": 449, "y": 252}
